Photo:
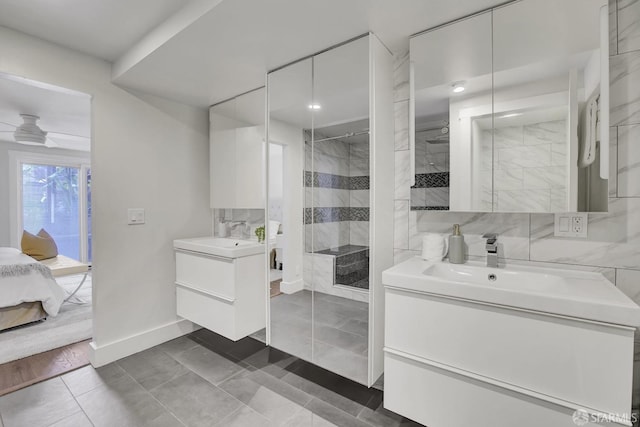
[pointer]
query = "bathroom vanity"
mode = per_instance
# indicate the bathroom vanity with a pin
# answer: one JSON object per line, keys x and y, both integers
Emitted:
{"x": 520, "y": 345}
{"x": 220, "y": 284}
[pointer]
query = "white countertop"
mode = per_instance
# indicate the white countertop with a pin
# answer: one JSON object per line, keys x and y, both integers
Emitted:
{"x": 572, "y": 293}
{"x": 220, "y": 246}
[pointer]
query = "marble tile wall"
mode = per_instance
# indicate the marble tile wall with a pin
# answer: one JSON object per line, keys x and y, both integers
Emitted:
{"x": 613, "y": 242}
{"x": 339, "y": 191}
{"x": 254, "y": 218}
{"x": 529, "y": 172}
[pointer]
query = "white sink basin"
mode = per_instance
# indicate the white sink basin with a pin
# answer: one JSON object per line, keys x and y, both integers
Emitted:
{"x": 219, "y": 246}
{"x": 573, "y": 293}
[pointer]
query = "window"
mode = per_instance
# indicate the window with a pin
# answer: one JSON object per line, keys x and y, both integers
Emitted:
{"x": 53, "y": 192}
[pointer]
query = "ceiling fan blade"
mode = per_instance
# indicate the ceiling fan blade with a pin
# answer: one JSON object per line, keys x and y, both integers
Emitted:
{"x": 7, "y": 127}
{"x": 50, "y": 143}
{"x": 69, "y": 137}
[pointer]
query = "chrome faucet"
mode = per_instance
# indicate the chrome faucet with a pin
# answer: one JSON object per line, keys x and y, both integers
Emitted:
{"x": 492, "y": 249}
{"x": 243, "y": 231}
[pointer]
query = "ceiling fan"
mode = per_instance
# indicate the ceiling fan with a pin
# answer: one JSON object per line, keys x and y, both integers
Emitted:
{"x": 29, "y": 133}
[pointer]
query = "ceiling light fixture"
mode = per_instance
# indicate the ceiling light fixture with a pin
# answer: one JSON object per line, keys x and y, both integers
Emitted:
{"x": 314, "y": 107}
{"x": 458, "y": 87}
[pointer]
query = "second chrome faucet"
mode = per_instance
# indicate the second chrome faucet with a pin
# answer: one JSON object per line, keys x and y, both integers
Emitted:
{"x": 492, "y": 249}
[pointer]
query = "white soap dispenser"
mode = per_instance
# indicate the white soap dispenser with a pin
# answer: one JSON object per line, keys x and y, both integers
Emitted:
{"x": 456, "y": 246}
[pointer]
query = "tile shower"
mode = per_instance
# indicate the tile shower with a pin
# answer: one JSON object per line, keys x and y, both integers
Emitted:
{"x": 336, "y": 215}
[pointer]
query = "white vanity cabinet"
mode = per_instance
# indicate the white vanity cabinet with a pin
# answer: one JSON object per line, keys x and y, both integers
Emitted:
{"x": 224, "y": 295}
{"x": 526, "y": 348}
{"x": 236, "y": 150}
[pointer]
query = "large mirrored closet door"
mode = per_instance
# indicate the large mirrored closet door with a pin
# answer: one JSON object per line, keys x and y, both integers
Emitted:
{"x": 319, "y": 111}
{"x": 337, "y": 225}
{"x": 332, "y": 116}
{"x": 290, "y": 121}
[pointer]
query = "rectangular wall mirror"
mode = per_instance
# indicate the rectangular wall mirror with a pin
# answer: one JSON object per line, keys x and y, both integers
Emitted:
{"x": 510, "y": 112}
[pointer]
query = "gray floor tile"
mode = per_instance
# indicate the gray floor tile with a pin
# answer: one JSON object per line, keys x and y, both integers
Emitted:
{"x": 358, "y": 327}
{"x": 152, "y": 367}
{"x": 383, "y": 418}
{"x": 177, "y": 345}
{"x": 79, "y": 419}
{"x": 302, "y": 298}
{"x": 281, "y": 305}
{"x": 283, "y": 389}
{"x": 195, "y": 401}
{"x": 39, "y": 405}
{"x": 125, "y": 403}
{"x": 209, "y": 365}
{"x": 342, "y": 362}
{"x": 271, "y": 361}
{"x": 334, "y": 415}
{"x": 86, "y": 379}
{"x": 244, "y": 417}
{"x": 276, "y": 408}
{"x": 344, "y": 340}
{"x": 332, "y": 299}
{"x": 324, "y": 394}
{"x": 306, "y": 418}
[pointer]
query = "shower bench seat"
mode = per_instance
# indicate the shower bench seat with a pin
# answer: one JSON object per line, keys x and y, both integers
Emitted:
{"x": 350, "y": 265}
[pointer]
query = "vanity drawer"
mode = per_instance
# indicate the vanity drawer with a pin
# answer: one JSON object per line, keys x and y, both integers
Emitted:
{"x": 212, "y": 275}
{"x": 454, "y": 400}
{"x": 577, "y": 361}
{"x": 210, "y": 313}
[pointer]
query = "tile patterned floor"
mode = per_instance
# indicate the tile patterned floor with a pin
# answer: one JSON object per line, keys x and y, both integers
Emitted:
{"x": 201, "y": 379}
{"x": 340, "y": 331}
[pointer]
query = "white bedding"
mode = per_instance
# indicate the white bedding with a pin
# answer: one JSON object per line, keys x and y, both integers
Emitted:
{"x": 30, "y": 284}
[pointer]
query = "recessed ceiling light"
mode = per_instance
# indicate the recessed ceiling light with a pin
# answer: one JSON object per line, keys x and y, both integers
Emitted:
{"x": 506, "y": 116}
{"x": 458, "y": 87}
{"x": 314, "y": 107}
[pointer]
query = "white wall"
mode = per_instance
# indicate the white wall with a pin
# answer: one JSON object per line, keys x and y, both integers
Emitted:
{"x": 5, "y": 207}
{"x": 145, "y": 152}
{"x": 276, "y": 177}
{"x": 292, "y": 225}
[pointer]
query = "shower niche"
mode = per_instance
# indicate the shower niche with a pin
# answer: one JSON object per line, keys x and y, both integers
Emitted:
{"x": 332, "y": 114}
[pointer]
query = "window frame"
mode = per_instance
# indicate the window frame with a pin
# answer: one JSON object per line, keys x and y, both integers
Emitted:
{"x": 16, "y": 160}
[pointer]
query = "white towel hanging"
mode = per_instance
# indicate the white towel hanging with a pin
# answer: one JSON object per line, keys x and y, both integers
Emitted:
{"x": 589, "y": 132}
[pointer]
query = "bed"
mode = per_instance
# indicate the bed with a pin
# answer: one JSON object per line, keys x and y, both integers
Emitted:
{"x": 28, "y": 291}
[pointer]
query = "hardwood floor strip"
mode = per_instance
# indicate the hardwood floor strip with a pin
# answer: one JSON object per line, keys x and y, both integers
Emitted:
{"x": 40, "y": 367}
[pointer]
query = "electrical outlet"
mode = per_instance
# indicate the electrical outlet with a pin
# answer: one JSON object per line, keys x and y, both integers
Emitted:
{"x": 571, "y": 225}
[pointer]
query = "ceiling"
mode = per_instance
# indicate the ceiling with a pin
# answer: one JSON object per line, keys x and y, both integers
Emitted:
{"x": 230, "y": 47}
{"x": 64, "y": 114}
{"x": 200, "y": 52}
{"x": 105, "y": 29}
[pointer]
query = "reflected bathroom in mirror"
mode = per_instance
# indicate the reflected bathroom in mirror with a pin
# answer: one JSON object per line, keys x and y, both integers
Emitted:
{"x": 319, "y": 111}
{"x": 509, "y": 113}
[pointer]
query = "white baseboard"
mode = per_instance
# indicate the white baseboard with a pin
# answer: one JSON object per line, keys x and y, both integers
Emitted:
{"x": 291, "y": 287}
{"x": 110, "y": 352}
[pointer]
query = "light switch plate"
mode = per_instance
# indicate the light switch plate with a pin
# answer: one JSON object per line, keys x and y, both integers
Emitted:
{"x": 135, "y": 216}
{"x": 573, "y": 224}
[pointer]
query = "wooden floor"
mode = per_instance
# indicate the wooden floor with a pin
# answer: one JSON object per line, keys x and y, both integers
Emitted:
{"x": 39, "y": 367}
{"x": 275, "y": 288}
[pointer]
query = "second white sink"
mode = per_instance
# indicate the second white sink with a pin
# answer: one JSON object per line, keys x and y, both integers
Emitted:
{"x": 582, "y": 294}
{"x": 219, "y": 246}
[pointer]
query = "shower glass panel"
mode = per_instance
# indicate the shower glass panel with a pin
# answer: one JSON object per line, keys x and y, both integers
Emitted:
{"x": 290, "y": 121}
{"x": 337, "y": 209}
